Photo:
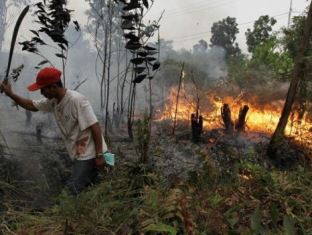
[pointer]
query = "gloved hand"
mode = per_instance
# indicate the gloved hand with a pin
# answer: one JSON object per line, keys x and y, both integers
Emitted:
{"x": 99, "y": 162}
{"x": 109, "y": 158}
{"x": 105, "y": 160}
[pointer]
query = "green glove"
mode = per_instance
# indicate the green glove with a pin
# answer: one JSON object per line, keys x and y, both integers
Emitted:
{"x": 109, "y": 158}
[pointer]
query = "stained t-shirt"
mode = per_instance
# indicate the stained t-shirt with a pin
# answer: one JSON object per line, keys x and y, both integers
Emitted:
{"x": 74, "y": 116}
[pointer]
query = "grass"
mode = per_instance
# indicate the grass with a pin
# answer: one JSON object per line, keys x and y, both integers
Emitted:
{"x": 247, "y": 199}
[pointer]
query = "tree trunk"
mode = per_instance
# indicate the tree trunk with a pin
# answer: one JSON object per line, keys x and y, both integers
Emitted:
{"x": 177, "y": 103}
{"x": 3, "y": 17}
{"x": 64, "y": 67}
{"x": 110, "y": 8}
{"x": 131, "y": 103}
{"x": 118, "y": 83}
{"x": 104, "y": 66}
{"x": 122, "y": 88}
{"x": 278, "y": 136}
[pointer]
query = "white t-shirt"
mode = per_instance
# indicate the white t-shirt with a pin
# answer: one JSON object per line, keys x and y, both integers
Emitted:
{"x": 74, "y": 115}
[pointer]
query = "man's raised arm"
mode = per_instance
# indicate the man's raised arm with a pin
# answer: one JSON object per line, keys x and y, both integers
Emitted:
{"x": 23, "y": 102}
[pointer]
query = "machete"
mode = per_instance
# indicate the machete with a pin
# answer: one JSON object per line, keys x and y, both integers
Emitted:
{"x": 14, "y": 36}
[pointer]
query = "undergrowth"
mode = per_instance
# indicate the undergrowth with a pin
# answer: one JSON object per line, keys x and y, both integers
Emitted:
{"x": 247, "y": 199}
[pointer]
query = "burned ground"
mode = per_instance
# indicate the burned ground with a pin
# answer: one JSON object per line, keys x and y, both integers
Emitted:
{"x": 33, "y": 171}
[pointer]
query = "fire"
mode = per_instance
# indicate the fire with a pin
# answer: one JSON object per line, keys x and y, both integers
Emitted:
{"x": 260, "y": 118}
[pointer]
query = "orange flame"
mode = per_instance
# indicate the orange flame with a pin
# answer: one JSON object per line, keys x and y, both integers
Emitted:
{"x": 260, "y": 118}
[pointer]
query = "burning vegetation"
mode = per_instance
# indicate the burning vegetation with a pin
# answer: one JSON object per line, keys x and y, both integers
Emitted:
{"x": 260, "y": 117}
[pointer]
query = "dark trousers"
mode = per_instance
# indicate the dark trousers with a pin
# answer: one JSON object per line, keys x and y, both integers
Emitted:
{"x": 84, "y": 173}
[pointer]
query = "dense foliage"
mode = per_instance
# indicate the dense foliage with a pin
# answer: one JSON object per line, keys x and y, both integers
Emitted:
{"x": 260, "y": 33}
{"x": 224, "y": 35}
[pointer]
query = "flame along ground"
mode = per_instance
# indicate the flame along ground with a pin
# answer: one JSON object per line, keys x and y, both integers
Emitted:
{"x": 260, "y": 118}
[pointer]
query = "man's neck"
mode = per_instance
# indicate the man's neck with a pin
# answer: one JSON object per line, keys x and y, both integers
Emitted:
{"x": 60, "y": 94}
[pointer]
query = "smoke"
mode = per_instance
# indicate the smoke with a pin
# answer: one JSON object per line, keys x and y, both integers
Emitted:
{"x": 204, "y": 67}
{"x": 205, "y": 72}
{"x": 212, "y": 61}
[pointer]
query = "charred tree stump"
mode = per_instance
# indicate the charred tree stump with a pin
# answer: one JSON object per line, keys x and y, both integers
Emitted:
{"x": 197, "y": 127}
{"x": 241, "y": 122}
{"x": 227, "y": 120}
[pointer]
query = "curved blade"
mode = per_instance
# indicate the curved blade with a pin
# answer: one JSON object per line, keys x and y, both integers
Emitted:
{"x": 14, "y": 36}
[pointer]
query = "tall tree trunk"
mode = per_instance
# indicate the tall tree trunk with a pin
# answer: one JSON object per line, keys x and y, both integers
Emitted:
{"x": 131, "y": 104}
{"x": 64, "y": 67}
{"x": 278, "y": 135}
{"x": 131, "y": 111}
{"x": 110, "y": 8}
{"x": 118, "y": 77}
{"x": 3, "y": 18}
{"x": 177, "y": 103}
{"x": 104, "y": 67}
{"x": 123, "y": 85}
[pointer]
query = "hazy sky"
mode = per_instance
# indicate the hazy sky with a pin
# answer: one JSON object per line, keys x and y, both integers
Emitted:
{"x": 187, "y": 21}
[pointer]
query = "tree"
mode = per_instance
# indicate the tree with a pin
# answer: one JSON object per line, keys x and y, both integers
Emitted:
{"x": 292, "y": 36}
{"x": 291, "y": 42}
{"x": 200, "y": 47}
{"x": 299, "y": 71}
{"x": 261, "y": 32}
{"x": 53, "y": 18}
{"x": 144, "y": 63}
{"x": 5, "y": 5}
{"x": 224, "y": 35}
{"x": 268, "y": 54}
{"x": 104, "y": 26}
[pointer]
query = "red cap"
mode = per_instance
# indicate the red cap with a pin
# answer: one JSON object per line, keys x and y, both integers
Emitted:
{"x": 45, "y": 77}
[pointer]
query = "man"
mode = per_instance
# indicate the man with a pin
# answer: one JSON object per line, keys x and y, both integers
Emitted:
{"x": 76, "y": 120}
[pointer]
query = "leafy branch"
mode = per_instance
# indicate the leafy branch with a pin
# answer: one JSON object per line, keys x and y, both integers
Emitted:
{"x": 53, "y": 18}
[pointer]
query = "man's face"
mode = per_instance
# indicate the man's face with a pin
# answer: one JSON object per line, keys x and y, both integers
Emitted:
{"x": 48, "y": 91}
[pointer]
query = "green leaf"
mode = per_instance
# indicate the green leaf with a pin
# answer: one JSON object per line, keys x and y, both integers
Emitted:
{"x": 62, "y": 46}
{"x": 60, "y": 55}
{"x": 156, "y": 65}
{"x": 289, "y": 225}
{"x": 137, "y": 60}
{"x": 133, "y": 45}
{"x": 150, "y": 59}
{"x": 148, "y": 48}
{"x": 43, "y": 62}
{"x": 139, "y": 70}
{"x": 145, "y": 3}
{"x": 139, "y": 78}
{"x": 131, "y": 6}
{"x": 34, "y": 32}
{"x": 255, "y": 221}
{"x": 77, "y": 26}
{"x": 152, "y": 199}
{"x": 161, "y": 228}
